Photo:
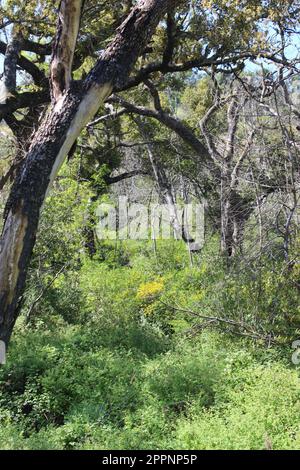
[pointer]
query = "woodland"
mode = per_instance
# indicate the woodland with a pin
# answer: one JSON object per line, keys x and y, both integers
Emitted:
{"x": 124, "y": 333}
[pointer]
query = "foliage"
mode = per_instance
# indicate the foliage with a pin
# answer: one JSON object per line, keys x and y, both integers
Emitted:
{"x": 126, "y": 344}
{"x": 70, "y": 392}
{"x": 114, "y": 377}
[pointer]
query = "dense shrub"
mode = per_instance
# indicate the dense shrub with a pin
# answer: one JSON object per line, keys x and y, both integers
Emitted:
{"x": 122, "y": 356}
{"x": 210, "y": 392}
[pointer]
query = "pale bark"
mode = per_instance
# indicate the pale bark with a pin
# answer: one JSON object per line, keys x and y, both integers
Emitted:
{"x": 63, "y": 51}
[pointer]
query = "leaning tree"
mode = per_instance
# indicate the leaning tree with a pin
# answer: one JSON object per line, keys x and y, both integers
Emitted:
{"x": 73, "y": 104}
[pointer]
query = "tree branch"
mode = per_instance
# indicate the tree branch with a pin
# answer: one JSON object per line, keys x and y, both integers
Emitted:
{"x": 8, "y": 81}
{"x": 171, "y": 122}
{"x": 26, "y": 65}
{"x": 64, "y": 46}
{"x": 123, "y": 176}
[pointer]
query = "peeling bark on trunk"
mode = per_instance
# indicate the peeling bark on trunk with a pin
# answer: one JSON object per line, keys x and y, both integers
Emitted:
{"x": 75, "y": 107}
{"x": 63, "y": 51}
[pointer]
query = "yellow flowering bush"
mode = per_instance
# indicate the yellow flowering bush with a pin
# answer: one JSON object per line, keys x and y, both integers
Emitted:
{"x": 148, "y": 293}
{"x": 150, "y": 290}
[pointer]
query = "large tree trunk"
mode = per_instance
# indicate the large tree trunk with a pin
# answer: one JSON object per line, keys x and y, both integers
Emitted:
{"x": 73, "y": 106}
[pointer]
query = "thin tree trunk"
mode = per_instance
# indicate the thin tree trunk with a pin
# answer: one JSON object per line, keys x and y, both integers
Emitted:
{"x": 235, "y": 211}
{"x": 162, "y": 182}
